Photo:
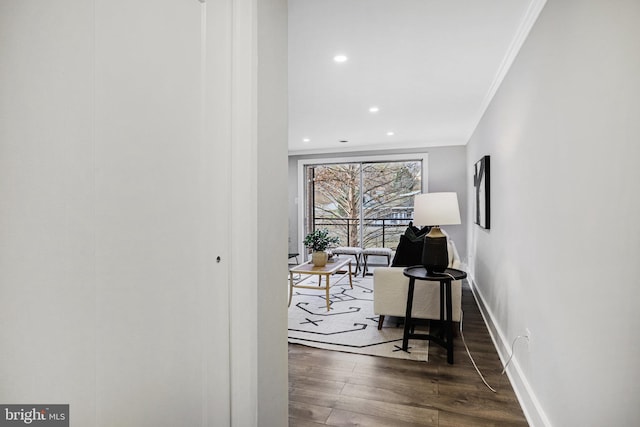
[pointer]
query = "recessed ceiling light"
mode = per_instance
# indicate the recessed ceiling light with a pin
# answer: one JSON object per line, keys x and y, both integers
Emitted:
{"x": 306, "y": 140}
{"x": 340, "y": 58}
{"x": 374, "y": 109}
{"x": 390, "y": 133}
{"x": 343, "y": 141}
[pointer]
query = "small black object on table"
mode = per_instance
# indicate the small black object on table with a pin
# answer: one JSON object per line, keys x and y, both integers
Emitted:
{"x": 446, "y": 308}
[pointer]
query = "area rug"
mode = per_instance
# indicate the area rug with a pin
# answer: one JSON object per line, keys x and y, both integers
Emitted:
{"x": 350, "y": 325}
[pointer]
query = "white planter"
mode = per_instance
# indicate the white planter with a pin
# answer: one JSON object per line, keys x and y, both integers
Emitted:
{"x": 319, "y": 259}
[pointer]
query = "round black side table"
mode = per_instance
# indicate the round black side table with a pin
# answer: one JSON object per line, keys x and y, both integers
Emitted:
{"x": 446, "y": 308}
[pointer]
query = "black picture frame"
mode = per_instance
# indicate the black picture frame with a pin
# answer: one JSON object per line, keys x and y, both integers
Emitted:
{"x": 481, "y": 182}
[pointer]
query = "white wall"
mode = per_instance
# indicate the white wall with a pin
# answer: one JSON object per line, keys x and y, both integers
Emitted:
{"x": 273, "y": 387}
{"x": 126, "y": 147}
{"x": 47, "y": 207}
{"x": 561, "y": 258}
{"x": 446, "y": 172}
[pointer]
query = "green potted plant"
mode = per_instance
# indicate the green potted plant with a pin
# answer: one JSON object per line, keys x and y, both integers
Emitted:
{"x": 318, "y": 241}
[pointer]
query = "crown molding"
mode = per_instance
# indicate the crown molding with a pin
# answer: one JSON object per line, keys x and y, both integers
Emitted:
{"x": 527, "y": 22}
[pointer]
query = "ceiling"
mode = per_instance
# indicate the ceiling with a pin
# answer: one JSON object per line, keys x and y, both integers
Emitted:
{"x": 430, "y": 66}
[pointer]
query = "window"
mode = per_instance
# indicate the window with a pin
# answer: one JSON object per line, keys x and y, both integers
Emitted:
{"x": 367, "y": 203}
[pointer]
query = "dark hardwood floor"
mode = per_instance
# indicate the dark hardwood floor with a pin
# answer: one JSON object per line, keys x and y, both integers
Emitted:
{"x": 342, "y": 389}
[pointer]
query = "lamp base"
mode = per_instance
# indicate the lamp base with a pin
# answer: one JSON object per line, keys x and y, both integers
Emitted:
{"x": 435, "y": 256}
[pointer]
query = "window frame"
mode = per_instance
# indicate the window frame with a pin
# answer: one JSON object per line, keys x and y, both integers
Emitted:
{"x": 302, "y": 163}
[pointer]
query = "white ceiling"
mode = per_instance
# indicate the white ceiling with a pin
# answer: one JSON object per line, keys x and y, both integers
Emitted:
{"x": 431, "y": 66}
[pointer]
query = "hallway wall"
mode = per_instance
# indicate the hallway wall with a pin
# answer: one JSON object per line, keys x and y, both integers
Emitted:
{"x": 561, "y": 257}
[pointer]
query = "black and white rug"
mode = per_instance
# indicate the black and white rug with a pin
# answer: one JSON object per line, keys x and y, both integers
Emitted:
{"x": 350, "y": 325}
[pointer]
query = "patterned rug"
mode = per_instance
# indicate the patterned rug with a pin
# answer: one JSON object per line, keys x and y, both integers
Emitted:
{"x": 350, "y": 325}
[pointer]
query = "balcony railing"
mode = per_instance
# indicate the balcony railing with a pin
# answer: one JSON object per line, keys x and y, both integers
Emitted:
{"x": 376, "y": 233}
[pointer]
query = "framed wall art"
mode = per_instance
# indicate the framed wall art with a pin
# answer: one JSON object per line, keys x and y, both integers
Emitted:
{"x": 481, "y": 180}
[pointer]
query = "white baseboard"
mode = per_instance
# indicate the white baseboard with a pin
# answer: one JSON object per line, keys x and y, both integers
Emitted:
{"x": 530, "y": 404}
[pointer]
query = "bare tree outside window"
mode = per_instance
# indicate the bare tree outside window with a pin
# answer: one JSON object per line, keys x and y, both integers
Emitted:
{"x": 389, "y": 189}
{"x": 337, "y": 200}
{"x": 373, "y": 198}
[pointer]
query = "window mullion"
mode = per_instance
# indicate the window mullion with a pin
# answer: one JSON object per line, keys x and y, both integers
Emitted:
{"x": 361, "y": 234}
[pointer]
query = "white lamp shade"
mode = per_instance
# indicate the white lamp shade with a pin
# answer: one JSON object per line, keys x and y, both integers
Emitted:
{"x": 436, "y": 209}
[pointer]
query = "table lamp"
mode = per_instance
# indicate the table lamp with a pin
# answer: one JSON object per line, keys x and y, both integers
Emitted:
{"x": 436, "y": 209}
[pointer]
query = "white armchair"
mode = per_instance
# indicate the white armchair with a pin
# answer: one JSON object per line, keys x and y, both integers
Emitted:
{"x": 390, "y": 288}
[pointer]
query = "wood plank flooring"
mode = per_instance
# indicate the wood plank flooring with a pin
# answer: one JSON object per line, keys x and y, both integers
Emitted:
{"x": 342, "y": 389}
